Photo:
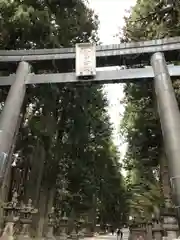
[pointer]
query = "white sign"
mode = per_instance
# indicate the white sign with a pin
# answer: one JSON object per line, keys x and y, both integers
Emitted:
{"x": 85, "y": 59}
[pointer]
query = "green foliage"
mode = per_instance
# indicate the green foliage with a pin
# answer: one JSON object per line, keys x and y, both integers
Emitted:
{"x": 141, "y": 126}
{"x": 148, "y": 20}
{"x": 143, "y": 195}
{"x": 39, "y": 24}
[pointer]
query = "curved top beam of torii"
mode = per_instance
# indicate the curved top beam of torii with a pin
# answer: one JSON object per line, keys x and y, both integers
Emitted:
{"x": 164, "y": 44}
{"x": 118, "y": 54}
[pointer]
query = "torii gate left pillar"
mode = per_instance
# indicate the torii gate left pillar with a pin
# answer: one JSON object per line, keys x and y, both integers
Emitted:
{"x": 10, "y": 115}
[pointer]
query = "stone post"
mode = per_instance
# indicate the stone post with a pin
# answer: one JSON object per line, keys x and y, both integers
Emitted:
{"x": 149, "y": 231}
{"x": 51, "y": 223}
{"x": 63, "y": 227}
{"x": 157, "y": 229}
{"x": 88, "y": 232}
{"x": 26, "y": 214}
{"x": 81, "y": 229}
{"x": 170, "y": 225}
{"x": 74, "y": 235}
{"x": 138, "y": 230}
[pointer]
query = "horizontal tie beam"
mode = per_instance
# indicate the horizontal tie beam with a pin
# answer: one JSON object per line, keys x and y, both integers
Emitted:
{"x": 104, "y": 77}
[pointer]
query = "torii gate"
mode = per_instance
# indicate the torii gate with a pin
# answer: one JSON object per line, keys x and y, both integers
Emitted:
{"x": 127, "y": 54}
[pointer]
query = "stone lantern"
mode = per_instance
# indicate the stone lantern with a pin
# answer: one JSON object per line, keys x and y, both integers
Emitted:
{"x": 80, "y": 227}
{"x": 51, "y": 224}
{"x": 63, "y": 227}
{"x": 26, "y": 214}
{"x": 74, "y": 235}
{"x": 11, "y": 212}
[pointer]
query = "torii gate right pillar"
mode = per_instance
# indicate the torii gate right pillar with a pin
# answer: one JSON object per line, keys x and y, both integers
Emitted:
{"x": 170, "y": 121}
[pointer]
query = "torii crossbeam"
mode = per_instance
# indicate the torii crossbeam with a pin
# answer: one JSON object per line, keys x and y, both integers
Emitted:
{"x": 102, "y": 77}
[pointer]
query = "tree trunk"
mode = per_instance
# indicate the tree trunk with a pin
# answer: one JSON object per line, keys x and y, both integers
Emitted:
{"x": 50, "y": 204}
{"x": 166, "y": 189}
{"x": 40, "y": 171}
{"x": 36, "y": 174}
{"x": 43, "y": 199}
{"x": 33, "y": 189}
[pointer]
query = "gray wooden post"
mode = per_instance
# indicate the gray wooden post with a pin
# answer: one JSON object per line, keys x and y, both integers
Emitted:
{"x": 169, "y": 118}
{"x": 10, "y": 115}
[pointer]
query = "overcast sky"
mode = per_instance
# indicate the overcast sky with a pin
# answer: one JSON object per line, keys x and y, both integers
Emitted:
{"x": 111, "y": 15}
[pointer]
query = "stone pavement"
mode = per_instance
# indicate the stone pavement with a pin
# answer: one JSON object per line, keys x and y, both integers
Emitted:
{"x": 109, "y": 236}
